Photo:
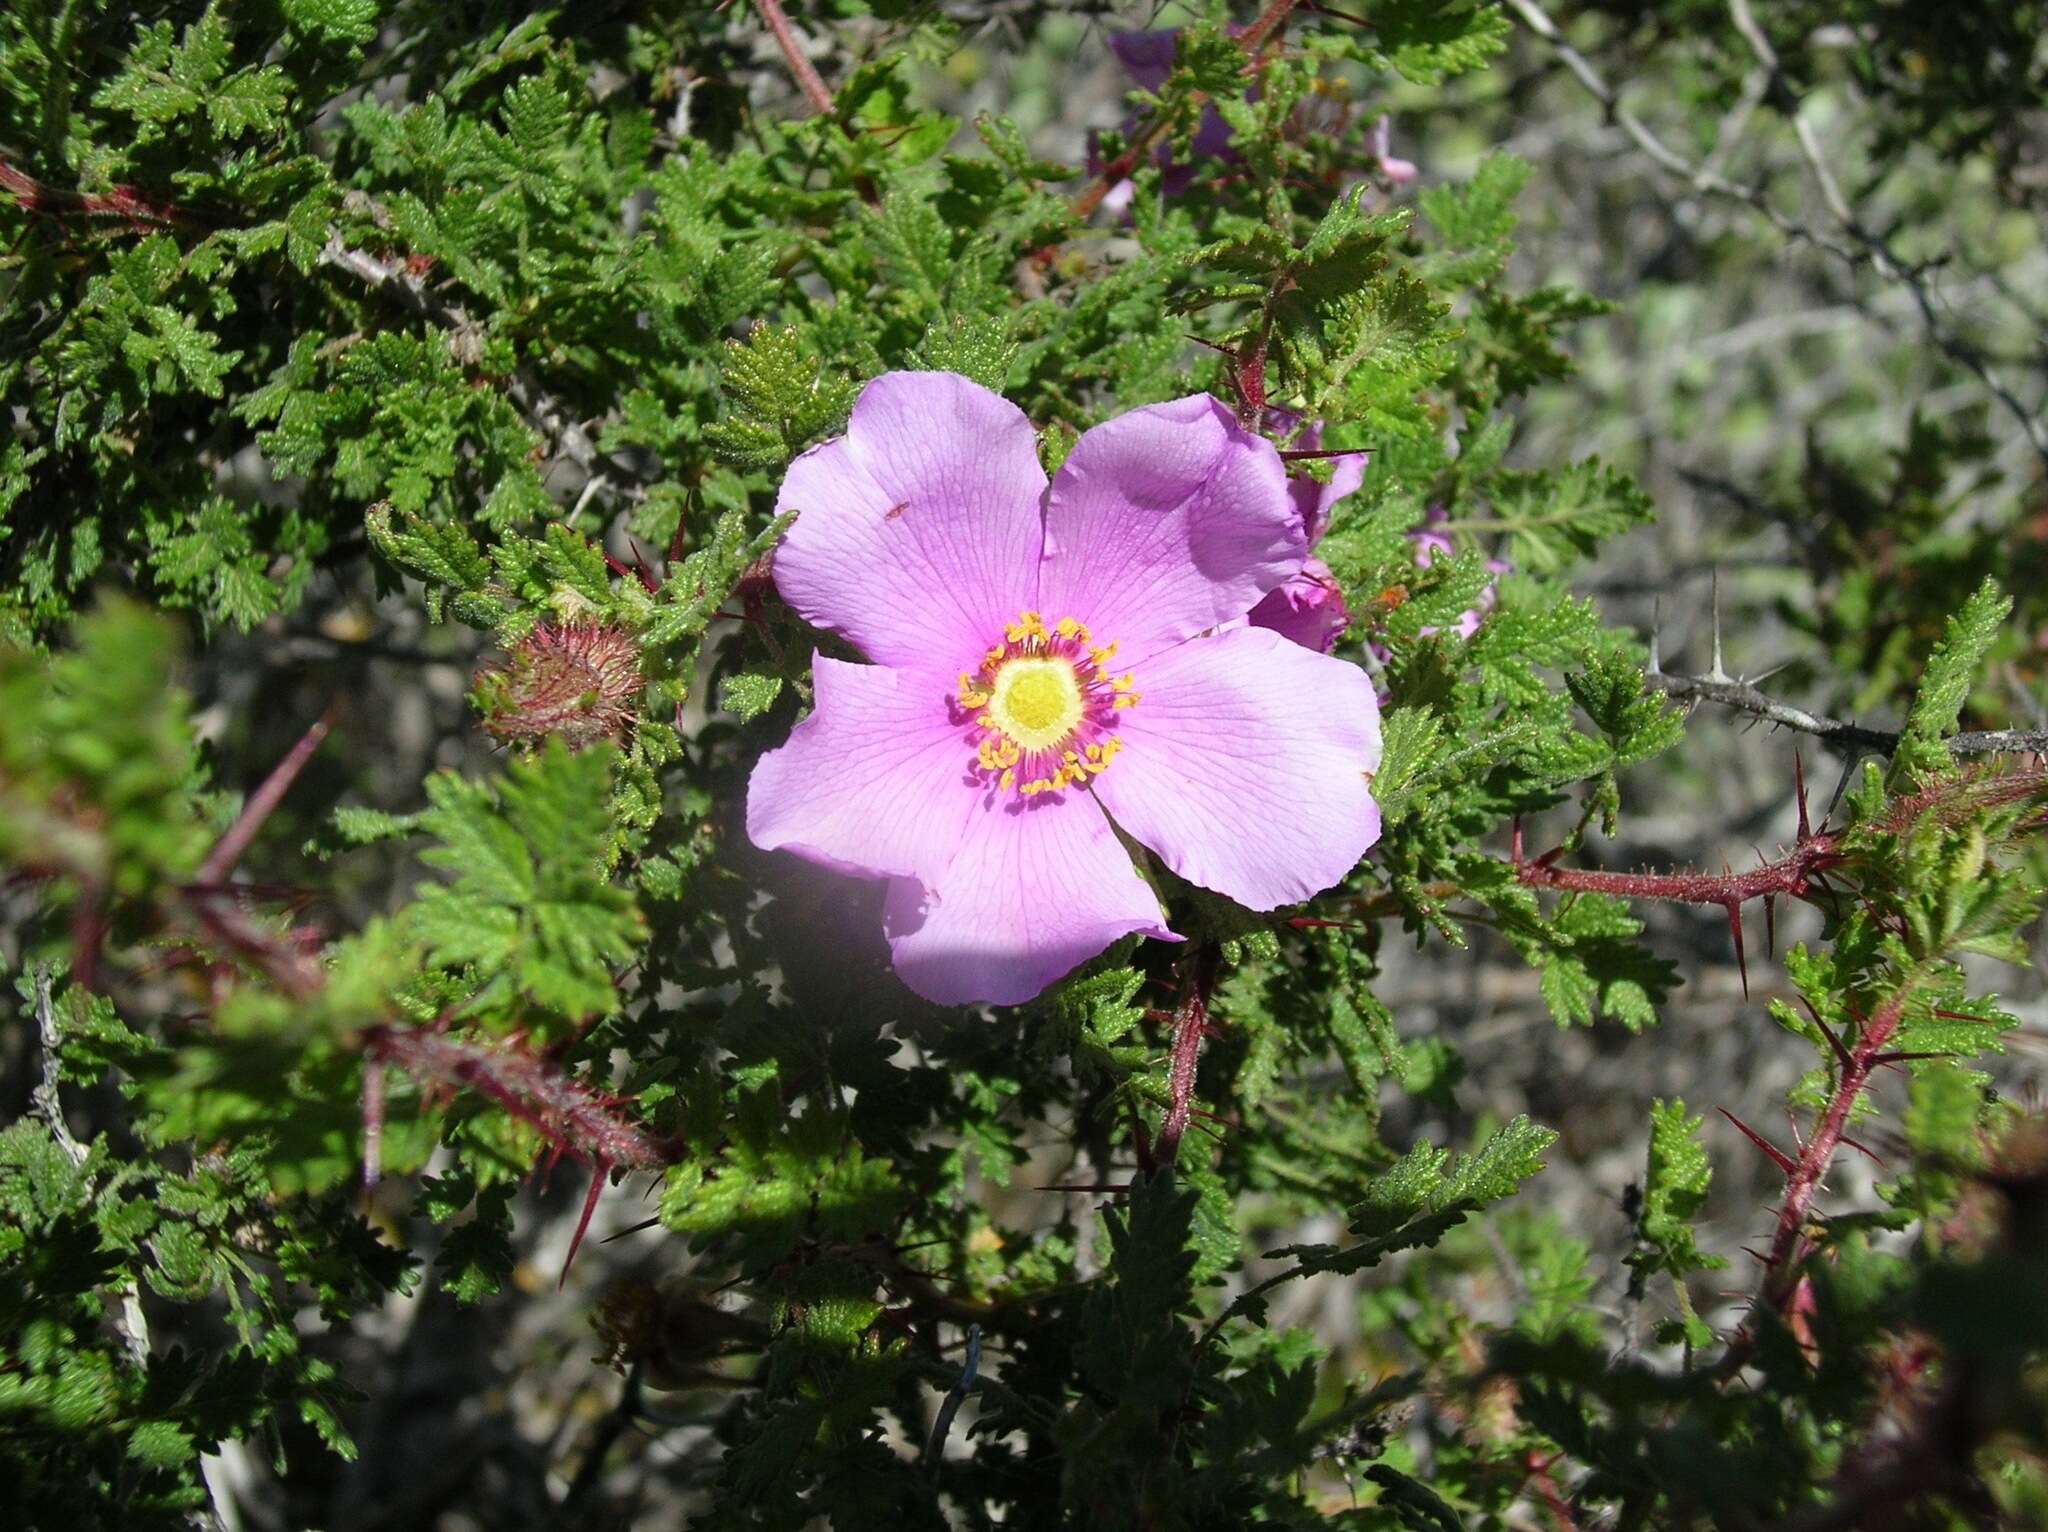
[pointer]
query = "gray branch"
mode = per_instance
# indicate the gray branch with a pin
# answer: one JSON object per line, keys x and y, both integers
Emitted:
{"x": 1746, "y": 697}
{"x": 1865, "y": 249}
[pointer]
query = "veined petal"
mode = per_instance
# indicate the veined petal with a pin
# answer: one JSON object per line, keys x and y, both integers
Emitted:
{"x": 875, "y": 782}
{"x": 1039, "y": 886}
{"x": 918, "y": 532}
{"x": 1165, "y": 522}
{"x": 1248, "y": 766}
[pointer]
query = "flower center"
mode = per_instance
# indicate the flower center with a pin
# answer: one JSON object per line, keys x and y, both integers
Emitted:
{"x": 1036, "y": 702}
{"x": 1044, "y": 701}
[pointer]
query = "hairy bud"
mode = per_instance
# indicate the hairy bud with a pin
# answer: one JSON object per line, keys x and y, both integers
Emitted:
{"x": 576, "y": 679}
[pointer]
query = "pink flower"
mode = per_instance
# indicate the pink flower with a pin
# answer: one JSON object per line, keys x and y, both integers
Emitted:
{"x": 1398, "y": 171}
{"x": 1047, "y": 659}
{"x": 1428, "y": 544}
{"x": 1309, "y": 607}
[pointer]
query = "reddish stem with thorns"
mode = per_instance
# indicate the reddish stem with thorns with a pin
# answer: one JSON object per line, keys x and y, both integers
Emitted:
{"x": 1190, "y": 1025}
{"x": 576, "y": 1121}
{"x": 1793, "y": 875}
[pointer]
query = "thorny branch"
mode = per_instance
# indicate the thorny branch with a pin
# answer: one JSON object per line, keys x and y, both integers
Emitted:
{"x": 1794, "y": 875}
{"x": 1865, "y": 248}
{"x": 1745, "y": 697}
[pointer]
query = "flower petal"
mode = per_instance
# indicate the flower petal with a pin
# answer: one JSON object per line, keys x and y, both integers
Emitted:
{"x": 1164, "y": 522}
{"x": 918, "y": 532}
{"x": 1039, "y": 887}
{"x": 1308, "y": 610}
{"x": 1247, "y": 766}
{"x": 1147, "y": 57}
{"x": 876, "y": 782}
{"x": 1316, "y": 502}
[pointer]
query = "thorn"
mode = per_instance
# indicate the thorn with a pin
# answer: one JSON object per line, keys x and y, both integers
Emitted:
{"x": 1718, "y": 672}
{"x": 227, "y": 851}
{"x": 1758, "y": 680}
{"x": 1799, "y": 793}
{"x": 647, "y": 580}
{"x": 1515, "y": 845}
{"x": 1834, "y": 1043}
{"x": 1734, "y": 908}
{"x": 1793, "y": 1123}
{"x": 1778, "y": 1156}
{"x": 1883, "y": 1059}
{"x": 599, "y": 1170}
{"x": 1863, "y": 1150}
{"x": 1656, "y": 665}
{"x": 1770, "y": 926}
{"x": 1760, "y": 1258}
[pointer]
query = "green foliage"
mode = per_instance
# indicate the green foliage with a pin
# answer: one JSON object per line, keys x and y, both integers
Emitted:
{"x": 389, "y": 343}
{"x": 1674, "y": 1193}
{"x": 530, "y": 907}
{"x": 1945, "y": 686}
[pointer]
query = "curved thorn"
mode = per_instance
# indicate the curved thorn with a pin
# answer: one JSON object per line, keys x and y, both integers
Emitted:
{"x": 1778, "y": 1157}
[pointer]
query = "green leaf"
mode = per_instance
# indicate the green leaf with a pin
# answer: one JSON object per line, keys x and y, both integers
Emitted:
{"x": 1674, "y": 1196}
{"x": 1946, "y": 683}
{"x": 748, "y": 696}
{"x": 530, "y": 902}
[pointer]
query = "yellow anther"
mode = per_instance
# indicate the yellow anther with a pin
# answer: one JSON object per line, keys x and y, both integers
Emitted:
{"x": 1128, "y": 699}
{"x": 1104, "y": 655}
{"x": 1069, "y": 628}
{"x": 1094, "y": 752}
{"x": 1007, "y": 780}
{"x": 1028, "y": 625}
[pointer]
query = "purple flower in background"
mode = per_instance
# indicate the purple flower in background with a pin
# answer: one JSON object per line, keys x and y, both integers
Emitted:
{"x": 1047, "y": 658}
{"x": 1429, "y": 543}
{"x": 1309, "y": 607}
{"x": 1147, "y": 58}
{"x": 1398, "y": 171}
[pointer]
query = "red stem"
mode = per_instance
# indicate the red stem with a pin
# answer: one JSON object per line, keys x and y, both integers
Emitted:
{"x": 807, "y": 78}
{"x": 1784, "y": 1262}
{"x": 1790, "y": 874}
{"x": 1190, "y": 1023}
{"x": 227, "y": 851}
{"x": 124, "y": 202}
{"x": 1787, "y": 1241}
{"x": 1270, "y": 21}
